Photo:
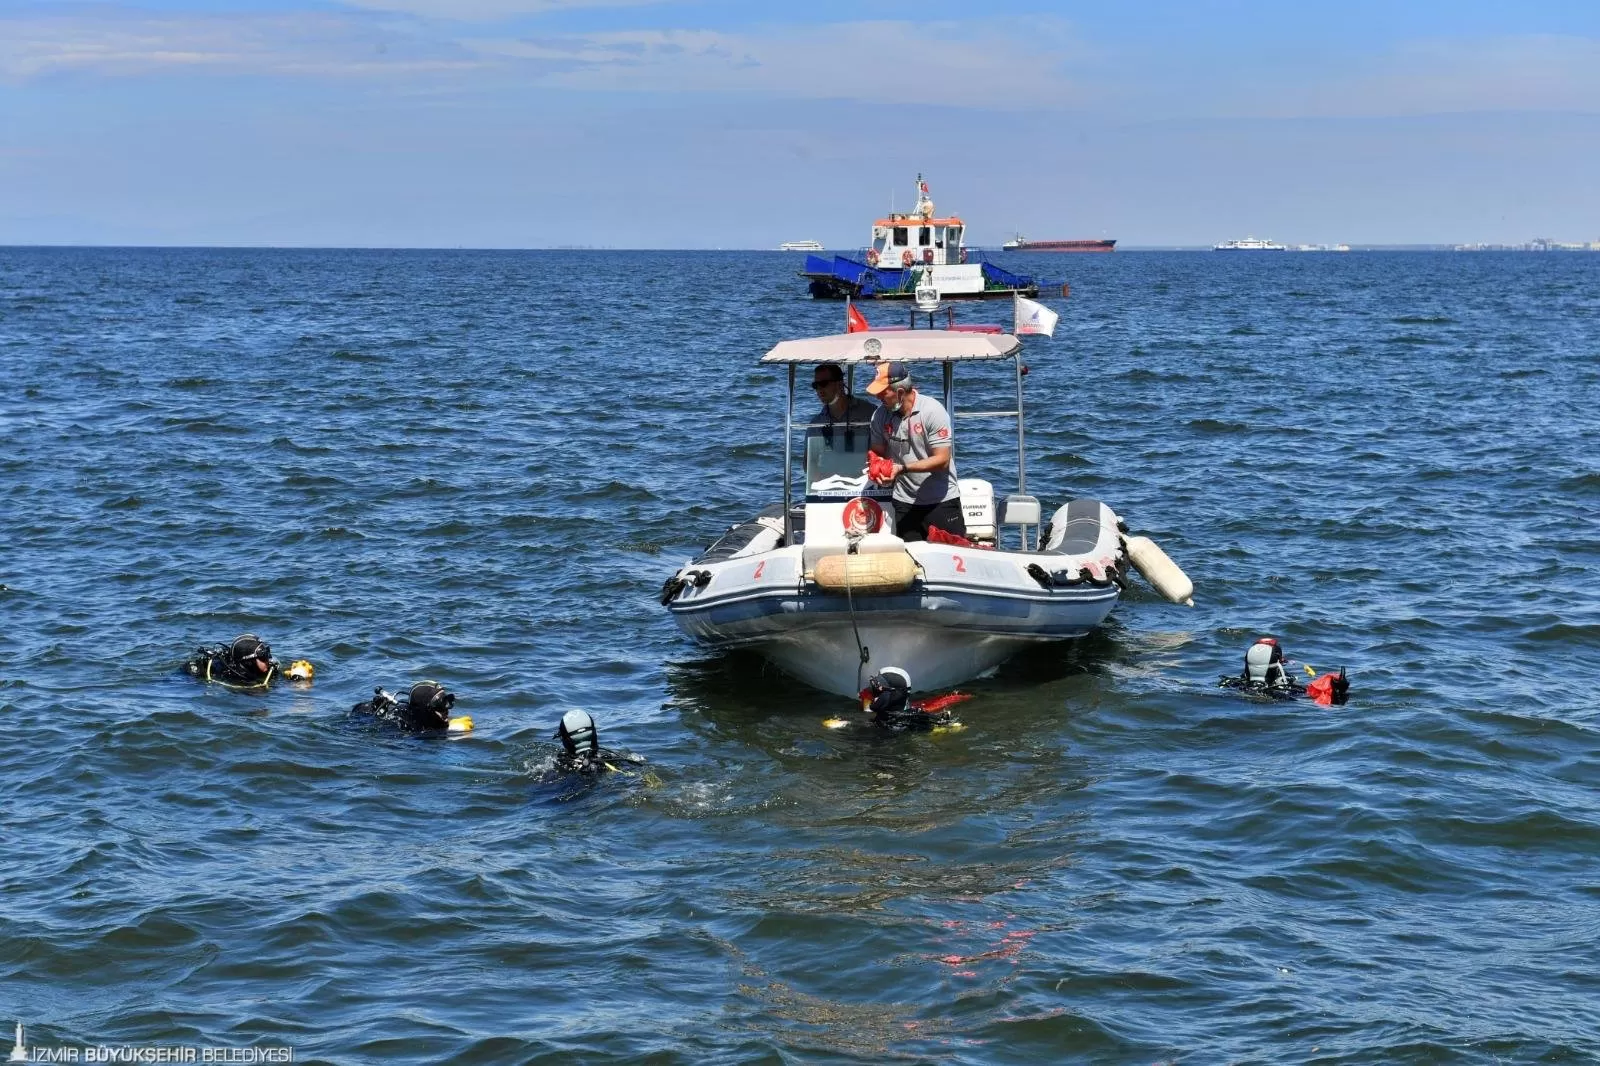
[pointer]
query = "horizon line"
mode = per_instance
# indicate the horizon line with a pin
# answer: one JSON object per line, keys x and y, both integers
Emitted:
{"x": 1419, "y": 246}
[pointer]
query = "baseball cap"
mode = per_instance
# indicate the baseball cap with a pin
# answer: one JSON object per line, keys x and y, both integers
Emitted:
{"x": 890, "y": 375}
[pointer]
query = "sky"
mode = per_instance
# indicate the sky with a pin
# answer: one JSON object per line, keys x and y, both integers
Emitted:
{"x": 740, "y": 123}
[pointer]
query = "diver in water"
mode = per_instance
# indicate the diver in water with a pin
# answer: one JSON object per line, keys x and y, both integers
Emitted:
{"x": 887, "y": 698}
{"x": 581, "y": 752}
{"x": 426, "y": 709}
{"x": 1266, "y": 674}
{"x": 245, "y": 663}
{"x": 1264, "y": 670}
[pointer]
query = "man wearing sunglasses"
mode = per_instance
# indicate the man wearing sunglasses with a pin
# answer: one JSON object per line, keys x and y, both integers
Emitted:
{"x": 850, "y": 413}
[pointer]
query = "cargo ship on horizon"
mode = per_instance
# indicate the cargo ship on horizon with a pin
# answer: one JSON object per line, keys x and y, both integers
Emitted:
{"x": 1019, "y": 243}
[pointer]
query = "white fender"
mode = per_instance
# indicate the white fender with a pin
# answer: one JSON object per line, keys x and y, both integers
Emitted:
{"x": 1164, "y": 575}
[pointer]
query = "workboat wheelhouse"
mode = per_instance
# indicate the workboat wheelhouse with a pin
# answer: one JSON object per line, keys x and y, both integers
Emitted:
{"x": 910, "y": 251}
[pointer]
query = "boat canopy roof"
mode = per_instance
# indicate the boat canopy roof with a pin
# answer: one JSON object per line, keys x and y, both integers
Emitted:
{"x": 912, "y": 345}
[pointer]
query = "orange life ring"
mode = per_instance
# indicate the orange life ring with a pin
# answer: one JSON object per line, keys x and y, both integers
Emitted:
{"x": 872, "y": 257}
{"x": 963, "y": 255}
{"x": 862, "y": 514}
{"x": 905, "y": 258}
{"x": 927, "y": 256}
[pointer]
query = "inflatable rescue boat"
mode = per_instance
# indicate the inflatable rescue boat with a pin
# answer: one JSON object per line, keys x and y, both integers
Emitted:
{"x": 824, "y": 588}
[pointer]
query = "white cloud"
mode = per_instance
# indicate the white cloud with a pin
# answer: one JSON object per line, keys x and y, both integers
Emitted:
{"x": 296, "y": 44}
{"x": 487, "y": 10}
{"x": 888, "y": 65}
{"x": 1007, "y": 66}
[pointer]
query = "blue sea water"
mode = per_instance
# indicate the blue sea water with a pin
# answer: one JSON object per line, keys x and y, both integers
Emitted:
{"x": 480, "y": 466}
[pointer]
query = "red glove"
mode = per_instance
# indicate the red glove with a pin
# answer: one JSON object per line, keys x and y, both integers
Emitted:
{"x": 935, "y": 704}
{"x": 938, "y": 536}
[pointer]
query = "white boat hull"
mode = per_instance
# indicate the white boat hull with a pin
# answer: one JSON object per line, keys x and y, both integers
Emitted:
{"x": 968, "y": 611}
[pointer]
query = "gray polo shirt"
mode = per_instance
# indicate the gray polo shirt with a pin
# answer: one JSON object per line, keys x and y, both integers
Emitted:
{"x": 915, "y": 436}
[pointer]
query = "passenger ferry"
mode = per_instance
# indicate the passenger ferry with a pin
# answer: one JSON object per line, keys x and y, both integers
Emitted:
{"x": 1250, "y": 244}
{"x": 800, "y": 246}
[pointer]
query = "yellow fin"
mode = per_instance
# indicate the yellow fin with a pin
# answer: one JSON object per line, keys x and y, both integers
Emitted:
{"x": 1310, "y": 672}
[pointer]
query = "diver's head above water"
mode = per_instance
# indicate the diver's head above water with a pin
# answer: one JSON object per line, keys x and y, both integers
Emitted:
{"x": 887, "y": 691}
{"x": 1263, "y": 663}
{"x": 430, "y": 705}
{"x": 250, "y": 652}
{"x": 577, "y": 732}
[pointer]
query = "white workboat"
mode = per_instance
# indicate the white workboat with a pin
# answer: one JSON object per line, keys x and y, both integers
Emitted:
{"x": 825, "y": 589}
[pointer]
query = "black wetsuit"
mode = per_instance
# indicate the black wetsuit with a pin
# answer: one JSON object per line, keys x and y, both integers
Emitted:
{"x": 401, "y": 713}
{"x": 1265, "y": 673}
{"x": 596, "y": 761}
{"x": 893, "y": 710}
{"x": 218, "y": 664}
{"x": 1286, "y": 689}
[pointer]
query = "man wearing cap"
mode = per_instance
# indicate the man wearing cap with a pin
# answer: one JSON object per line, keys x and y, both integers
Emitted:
{"x": 914, "y": 432}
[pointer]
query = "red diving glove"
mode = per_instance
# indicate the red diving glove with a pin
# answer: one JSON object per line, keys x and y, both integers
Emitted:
{"x": 935, "y": 704}
{"x": 939, "y": 536}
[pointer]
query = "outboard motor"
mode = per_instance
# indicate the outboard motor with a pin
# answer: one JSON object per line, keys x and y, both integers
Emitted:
{"x": 1263, "y": 665}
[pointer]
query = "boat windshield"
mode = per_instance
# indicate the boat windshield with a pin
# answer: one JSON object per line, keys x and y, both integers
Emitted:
{"x": 844, "y": 457}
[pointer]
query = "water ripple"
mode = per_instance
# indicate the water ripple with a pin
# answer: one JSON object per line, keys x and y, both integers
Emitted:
{"x": 478, "y": 466}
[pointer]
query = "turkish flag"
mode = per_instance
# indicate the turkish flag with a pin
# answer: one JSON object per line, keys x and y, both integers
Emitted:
{"x": 854, "y": 321}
